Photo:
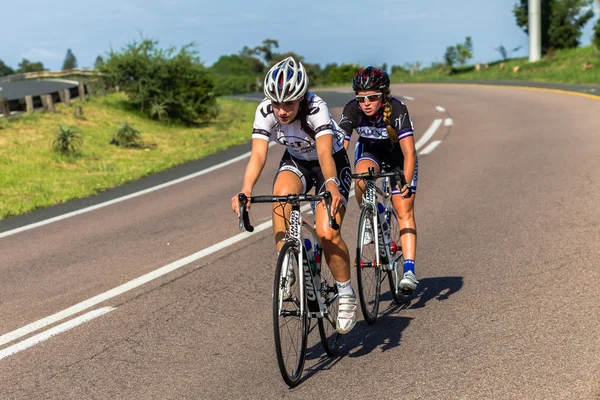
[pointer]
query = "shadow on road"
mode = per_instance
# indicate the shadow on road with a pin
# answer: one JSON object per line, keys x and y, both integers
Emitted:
{"x": 435, "y": 288}
{"x": 386, "y": 333}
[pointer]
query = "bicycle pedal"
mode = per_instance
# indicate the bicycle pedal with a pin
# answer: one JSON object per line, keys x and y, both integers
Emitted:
{"x": 407, "y": 291}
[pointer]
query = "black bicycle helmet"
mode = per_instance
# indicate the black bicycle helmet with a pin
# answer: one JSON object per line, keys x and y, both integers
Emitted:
{"x": 371, "y": 78}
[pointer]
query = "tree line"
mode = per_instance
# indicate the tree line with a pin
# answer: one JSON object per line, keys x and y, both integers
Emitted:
{"x": 173, "y": 85}
{"x": 25, "y": 65}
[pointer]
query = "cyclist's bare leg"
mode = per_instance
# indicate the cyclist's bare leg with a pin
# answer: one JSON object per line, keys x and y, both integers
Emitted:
{"x": 286, "y": 183}
{"x": 404, "y": 209}
{"x": 334, "y": 247}
{"x": 359, "y": 184}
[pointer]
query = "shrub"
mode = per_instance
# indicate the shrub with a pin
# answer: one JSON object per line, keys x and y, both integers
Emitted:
{"x": 67, "y": 140}
{"x": 127, "y": 137}
{"x": 163, "y": 84}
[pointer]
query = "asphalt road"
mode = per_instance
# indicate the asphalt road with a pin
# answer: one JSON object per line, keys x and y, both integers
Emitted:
{"x": 507, "y": 308}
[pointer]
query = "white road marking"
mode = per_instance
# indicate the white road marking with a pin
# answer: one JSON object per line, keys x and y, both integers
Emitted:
{"x": 407, "y": 98}
{"x": 448, "y": 122}
{"x": 430, "y": 147}
{"x": 440, "y": 109}
{"x": 428, "y": 133}
{"x": 32, "y": 341}
{"x": 77, "y": 308}
{"x": 130, "y": 196}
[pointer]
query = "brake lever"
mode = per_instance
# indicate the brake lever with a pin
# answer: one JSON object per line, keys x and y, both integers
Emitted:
{"x": 332, "y": 222}
{"x": 244, "y": 217}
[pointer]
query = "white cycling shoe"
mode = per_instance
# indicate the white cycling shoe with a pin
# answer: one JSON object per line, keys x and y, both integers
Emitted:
{"x": 409, "y": 282}
{"x": 346, "y": 318}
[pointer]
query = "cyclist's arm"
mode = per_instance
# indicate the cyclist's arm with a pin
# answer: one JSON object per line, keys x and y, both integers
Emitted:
{"x": 324, "y": 152}
{"x": 349, "y": 121}
{"x": 407, "y": 145}
{"x": 258, "y": 158}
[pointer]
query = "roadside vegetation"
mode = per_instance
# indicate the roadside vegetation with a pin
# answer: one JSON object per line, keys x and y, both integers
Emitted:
{"x": 33, "y": 174}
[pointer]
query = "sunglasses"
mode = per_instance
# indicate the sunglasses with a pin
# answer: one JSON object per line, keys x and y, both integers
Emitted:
{"x": 371, "y": 97}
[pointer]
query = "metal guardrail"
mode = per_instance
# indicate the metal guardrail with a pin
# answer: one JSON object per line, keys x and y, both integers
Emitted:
{"x": 50, "y": 74}
{"x": 29, "y": 103}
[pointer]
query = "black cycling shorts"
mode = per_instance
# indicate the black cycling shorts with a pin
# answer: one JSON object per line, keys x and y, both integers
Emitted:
{"x": 387, "y": 159}
{"x": 310, "y": 173}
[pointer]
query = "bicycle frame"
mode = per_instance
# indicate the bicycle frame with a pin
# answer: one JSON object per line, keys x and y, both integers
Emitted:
{"x": 370, "y": 200}
{"x": 308, "y": 285}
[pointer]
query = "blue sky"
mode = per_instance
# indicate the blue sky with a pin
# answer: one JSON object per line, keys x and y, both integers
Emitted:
{"x": 343, "y": 31}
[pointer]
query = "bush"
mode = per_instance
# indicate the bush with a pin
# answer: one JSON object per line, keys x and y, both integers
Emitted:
{"x": 231, "y": 84}
{"x": 67, "y": 141}
{"x": 342, "y": 74}
{"x": 161, "y": 83}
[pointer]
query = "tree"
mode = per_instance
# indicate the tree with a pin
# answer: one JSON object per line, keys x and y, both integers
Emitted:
{"x": 562, "y": 21}
{"x": 5, "y": 69}
{"x": 27, "y": 66}
{"x": 503, "y": 52}
{"x": 567, "y": 20}
{"x": 464, "y": 51}
{"x": 237, "y": 74}
{"x": 99, "y": 62}
{"x": 450, "y": 57}
{"x": 70, "y": 61}
{"x": 596, "y": 36}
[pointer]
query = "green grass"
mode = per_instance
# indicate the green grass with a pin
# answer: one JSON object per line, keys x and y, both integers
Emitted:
{"x": 33, "y": 176}
{"x": 564, "y": 66}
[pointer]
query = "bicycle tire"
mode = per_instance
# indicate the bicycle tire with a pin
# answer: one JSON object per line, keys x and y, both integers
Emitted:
{"x": 368, "y": 274}
{"x": 397, "y": 294}
{"x": 331, "y": 339}
{"x": 289, "y": 324}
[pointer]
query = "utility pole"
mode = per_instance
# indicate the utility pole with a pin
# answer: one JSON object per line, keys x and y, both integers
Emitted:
{"x": 535, "y": 30}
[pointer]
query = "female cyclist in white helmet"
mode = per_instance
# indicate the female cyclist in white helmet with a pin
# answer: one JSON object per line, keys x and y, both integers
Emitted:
{"x": 315, "y": 157}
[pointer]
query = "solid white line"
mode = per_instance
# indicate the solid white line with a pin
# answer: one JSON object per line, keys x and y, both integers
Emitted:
{"x": 429, "y": 133}
{"x": 448, "y": 122}
{"x": 130, "y": 196}
{"x": 440, "y": 109}
{"x": 32, "y": 341}
{"x": 77, "y": 308}
{"x": 430, "y": 147}
{"x": 407, "y": 98}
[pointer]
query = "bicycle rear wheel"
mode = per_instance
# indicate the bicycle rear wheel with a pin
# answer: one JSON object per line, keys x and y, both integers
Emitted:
{"x": 330, "y": 338}
{"x": 290, "y": 326}
{"x": 368, "y": 273}
{"x": 395, "y": 275}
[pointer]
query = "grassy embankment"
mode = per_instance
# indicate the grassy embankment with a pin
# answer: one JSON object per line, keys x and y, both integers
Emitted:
{"x": 564, "y": 66}
{"x": 33, "y": 176}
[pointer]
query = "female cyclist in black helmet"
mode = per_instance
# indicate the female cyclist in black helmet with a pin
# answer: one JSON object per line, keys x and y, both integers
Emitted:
{"x": 385, "y": 136}
{"x": 315, "y": 157}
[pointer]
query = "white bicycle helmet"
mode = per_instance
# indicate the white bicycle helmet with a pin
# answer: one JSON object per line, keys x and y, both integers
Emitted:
{"x": 286, "y": 81}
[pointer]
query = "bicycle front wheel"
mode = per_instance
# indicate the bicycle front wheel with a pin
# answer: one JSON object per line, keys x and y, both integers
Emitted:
{"x": 395, "y": 274}
{"x": 368, "y": 273}
{"x": 290, "y": 325}
{"x": 330, "y": 338}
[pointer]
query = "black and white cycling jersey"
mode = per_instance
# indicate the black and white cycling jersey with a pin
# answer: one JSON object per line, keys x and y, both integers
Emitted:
{"x": 374, "y": 128}
{"x": 298, "y": 142}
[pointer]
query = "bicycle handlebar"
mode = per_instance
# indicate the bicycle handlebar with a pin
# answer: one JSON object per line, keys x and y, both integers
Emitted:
{"x": 290, "y": 198}
{"x": 371, "y": 175}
